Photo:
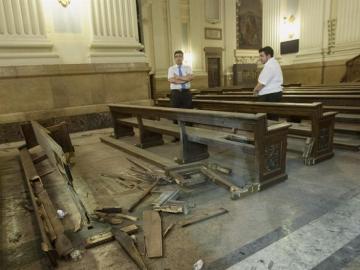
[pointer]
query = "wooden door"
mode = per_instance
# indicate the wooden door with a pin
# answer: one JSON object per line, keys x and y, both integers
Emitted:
{"x": 213, "y": 72}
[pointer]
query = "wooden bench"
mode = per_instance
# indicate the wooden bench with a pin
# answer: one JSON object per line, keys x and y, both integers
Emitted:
{"x": 267, "y": 147}
{"x": 327, "y": 100}
{"x": 291, "y": 92}
{"x": 302, "y": 90}
{"x": 320, "y": 131}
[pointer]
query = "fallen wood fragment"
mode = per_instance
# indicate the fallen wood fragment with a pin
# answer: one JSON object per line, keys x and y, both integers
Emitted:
{"x": 168, "y": 229}
{"x": 116, "y": 215}
{"x": 128, "y": 245}
{"x": 130, "y": 229}
{"x": 46, "y": 173}
{"x": 109, "y": 210}
{"x": 201, "y": 217}
{"x": 174, "y": 207}
{"x": 139, "y": 165}
{"x": 219, "y": 168}
{"x": 143, "y": 196}
{"x": 152, "y": 234}
{"x": 98, "y": 239}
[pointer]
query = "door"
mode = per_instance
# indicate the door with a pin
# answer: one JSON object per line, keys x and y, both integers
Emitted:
{"x": 213, "y": 72}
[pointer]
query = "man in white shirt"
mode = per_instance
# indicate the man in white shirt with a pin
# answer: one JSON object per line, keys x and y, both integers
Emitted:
{"x": 269, "y": 86}
{"x": 180, "y": 77}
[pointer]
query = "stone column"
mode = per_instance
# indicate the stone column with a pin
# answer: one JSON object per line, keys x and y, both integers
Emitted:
{"x": 312, "y": 31}
{"x": 229, "y": 39}
{"x": 271, "y": 25}
{"x": 347, "y": 37}
{"x": 22, "y": 33}
{"x": 115, "y": 32}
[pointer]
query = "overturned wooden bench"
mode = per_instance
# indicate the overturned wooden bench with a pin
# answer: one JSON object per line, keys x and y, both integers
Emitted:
{"x": 267, "y": 147}
{"x": 321, "y": 130}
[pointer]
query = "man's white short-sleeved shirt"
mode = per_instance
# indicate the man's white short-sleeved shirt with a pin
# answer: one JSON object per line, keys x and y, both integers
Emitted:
{"x": 271, "y": 76}
{"x": 174, "y": 70}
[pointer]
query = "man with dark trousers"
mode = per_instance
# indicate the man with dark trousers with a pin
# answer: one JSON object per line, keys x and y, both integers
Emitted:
{"x": 180, "y": 76}
{"x": 269, "y": 86}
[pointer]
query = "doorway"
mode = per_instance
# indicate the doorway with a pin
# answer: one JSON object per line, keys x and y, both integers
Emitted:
{"x": 214, "y": 66}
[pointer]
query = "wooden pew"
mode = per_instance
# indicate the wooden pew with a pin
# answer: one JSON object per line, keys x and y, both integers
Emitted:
{"x": 327, "y": 100}
{"x": 321, "y": 130}
{"x": 266, "y": 148}
{"x": 294, "y": 92}
{"x": 340, "y": 89}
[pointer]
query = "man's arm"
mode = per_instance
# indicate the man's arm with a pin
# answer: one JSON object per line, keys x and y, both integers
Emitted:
{"x": 173, "y": 78}
{"x": 258, "y": 88}
{"x": 176, "y": 80}
{"x": 187, "y": 78}
{"x": 264, "y": 78}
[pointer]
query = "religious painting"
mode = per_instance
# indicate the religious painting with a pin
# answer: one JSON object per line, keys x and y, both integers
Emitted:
{"x": 249, "y": 24}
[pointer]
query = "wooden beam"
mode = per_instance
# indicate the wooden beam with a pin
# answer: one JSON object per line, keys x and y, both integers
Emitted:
{"x": 152, "y": 234}
{"x": 128, "y": 245}
{"x": 203, "y": 216}
{"x": 139, "y": 153}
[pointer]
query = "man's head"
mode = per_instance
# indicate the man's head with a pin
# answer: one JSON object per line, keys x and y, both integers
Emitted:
{"x": 265, "y": 54}
{"x": 179, "y": 57}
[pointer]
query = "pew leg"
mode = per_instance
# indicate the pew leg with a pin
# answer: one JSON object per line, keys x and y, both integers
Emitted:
{"x": 271, "y": 157}
{"x": 148, "y": 138}
{"x": 323, "y": 136}
{"x": 122, "y": 131}
{"x": 191, "y": 151}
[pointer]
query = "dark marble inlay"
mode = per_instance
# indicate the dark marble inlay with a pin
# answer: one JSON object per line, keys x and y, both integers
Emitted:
{"x": 11, "y": 132}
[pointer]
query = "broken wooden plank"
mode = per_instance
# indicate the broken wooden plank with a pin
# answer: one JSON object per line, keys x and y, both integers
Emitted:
{"x": 98, "y": 239}
{"x": 109, "y": 210}
{"x": 152, "y": 234}
{"x": 174, "y": 207}
{"x": 168, "y": 229}
{"x": 204, "y": 216}
{"x": 130, "y": 229}
{"x": 128, "y": 245}
{"x": 138, "y": 152}
{"x": 116, "y": 215}
{"x": 31, "y": 174}
{"x": 143, "y": 196}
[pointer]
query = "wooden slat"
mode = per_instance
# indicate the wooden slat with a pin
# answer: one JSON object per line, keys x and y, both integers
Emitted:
{"x": 138, "y": 152}
{"x": 152, "y": 234}
{"x": 223, "y": 119}
{"x": 200, "y": 135}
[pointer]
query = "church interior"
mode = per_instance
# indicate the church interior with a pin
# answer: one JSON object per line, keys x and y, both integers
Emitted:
{"x": 180, "y": 134}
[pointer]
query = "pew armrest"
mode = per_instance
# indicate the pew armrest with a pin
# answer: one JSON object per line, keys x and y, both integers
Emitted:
{"x": 277, "y": 127}
{"x": 329, "y": 114}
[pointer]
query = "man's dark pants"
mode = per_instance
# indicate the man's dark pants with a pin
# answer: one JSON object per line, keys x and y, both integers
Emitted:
{"x": 181, "y": 99}
{"x": 273, "y": 97}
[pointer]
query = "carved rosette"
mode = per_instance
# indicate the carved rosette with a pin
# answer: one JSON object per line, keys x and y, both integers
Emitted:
{"x": 272, "y": 156}
{"x": 324, "y": 138}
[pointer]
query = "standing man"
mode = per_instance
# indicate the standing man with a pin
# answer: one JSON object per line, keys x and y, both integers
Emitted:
{"x": 269, "y": 86}
{"x": 180, "y": 77}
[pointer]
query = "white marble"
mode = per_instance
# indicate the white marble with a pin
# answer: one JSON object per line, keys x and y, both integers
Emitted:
{"x": 311, "y": 244}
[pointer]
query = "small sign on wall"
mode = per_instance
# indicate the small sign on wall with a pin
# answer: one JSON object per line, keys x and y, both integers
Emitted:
{"x": 290, "y": 46}
{"x": 213, "y": 33}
